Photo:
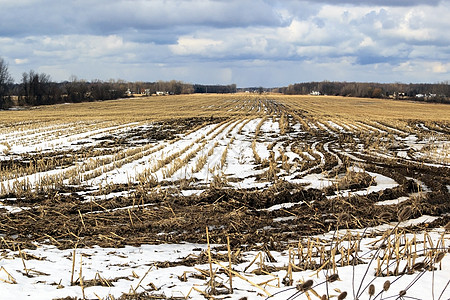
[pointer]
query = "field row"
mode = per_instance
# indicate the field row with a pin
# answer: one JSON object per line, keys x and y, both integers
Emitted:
{"x": 243, "y": 152}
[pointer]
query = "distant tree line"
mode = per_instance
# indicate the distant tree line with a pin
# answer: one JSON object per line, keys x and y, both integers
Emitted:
{"x": 173, "y": 87}
{"x": 219, "y": 89}
{"x": 38, "y": 89}
{"x": 436, "y": 92}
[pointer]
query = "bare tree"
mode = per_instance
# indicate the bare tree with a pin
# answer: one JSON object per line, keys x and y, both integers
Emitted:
{"x": 36, "y": 88}
{"x": 5, "y": 84}
{"x": 77, "y": 90}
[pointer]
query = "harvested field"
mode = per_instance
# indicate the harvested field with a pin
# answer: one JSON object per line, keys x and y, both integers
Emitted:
{"x": 107, "y": 195}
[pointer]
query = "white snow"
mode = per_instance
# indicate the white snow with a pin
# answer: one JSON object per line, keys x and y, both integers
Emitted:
{"x": 137, "y": 269}
{"x": 393, "y": 202}
{"x": 141, "y": 268}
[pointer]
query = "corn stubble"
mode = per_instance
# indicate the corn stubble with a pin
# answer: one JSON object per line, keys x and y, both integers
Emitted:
{"x": 344, "y": 121}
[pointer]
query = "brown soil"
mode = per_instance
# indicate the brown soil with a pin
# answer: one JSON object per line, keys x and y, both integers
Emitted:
{"x": 63, "y": 218}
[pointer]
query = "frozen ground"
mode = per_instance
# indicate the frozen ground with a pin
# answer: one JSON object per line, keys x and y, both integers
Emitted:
{"x": 359, "y": 166}
{"x": 46, "y": 273}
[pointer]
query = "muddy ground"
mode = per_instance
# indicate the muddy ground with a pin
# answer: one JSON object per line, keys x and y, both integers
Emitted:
{"x": 62, "y": 216}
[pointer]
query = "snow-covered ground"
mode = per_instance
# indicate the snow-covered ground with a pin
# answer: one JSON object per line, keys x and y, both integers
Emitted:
{"x": 234, "y": 140}
{"x": 48, "y": 273}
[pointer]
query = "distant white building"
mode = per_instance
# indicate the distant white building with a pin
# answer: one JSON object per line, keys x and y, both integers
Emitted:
{"x": 426, "y": 96}
{"x": 315, "y": 93}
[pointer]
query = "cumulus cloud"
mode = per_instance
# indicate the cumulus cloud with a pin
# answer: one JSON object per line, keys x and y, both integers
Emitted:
{"x": 20, "y": 61}
{"x": 106, "y": 17}
{"x": 190, "y": 40}
{"x": 199, "y": 46}
{"x": 439, "y": 67}
{"x": 383, "y": 2}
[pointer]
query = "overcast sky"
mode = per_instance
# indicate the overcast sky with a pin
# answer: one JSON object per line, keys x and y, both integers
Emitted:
{"x": 248, "y": 42}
